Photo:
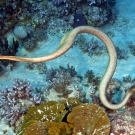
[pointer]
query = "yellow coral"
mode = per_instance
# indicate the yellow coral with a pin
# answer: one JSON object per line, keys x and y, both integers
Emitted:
{"x": 84, "y": 119}
{"x": 89, "y": 119}
{"x": 47, "y": 128}
{"x": 49, "y": 111}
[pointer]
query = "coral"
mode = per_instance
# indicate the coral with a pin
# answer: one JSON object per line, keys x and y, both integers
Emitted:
{"x": 52, "y": 73}
{"x": 92, "y": 78}
{"x": 39, "y": 35}
{"x": 20, "y": 32}
{"x": 113, "y": 90}
{"x": 98, "y": 12}
{"x": 15, "y": 101}
{"x": 30, "y": 45}
{"x": 12, "y": 105}
{"x": 6, "y": 49}
{"x": 121, "y": 53}
{"x": 37, "y": 128}
{"x": 65, "y": 117}
{"x": 47, "y": 128}
{"x": 123, "y": 124}
{"x": 91, "y": 48}
{"x": 58, "y": 1}
{"x": 48, "y": 117}
{"x": 49, "y": 111}
{"x": 9, "y": 15}
{"x": 41, "y": 67}
{"x": 31, "y": 42}
{"x": 96, "y": 2}
{"x": 59, "y": 79}
{"x": 87, "y": 119}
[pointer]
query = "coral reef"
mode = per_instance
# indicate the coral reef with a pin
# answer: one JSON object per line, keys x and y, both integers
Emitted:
{"x": 15, "y": 101}
{"x": 59, "y": 79}
{"x": 31, "y": 42}
{"x": 39, "y": 14}
{"x": 123, "y": 122}
{"x": 94, "y": 80}
{"x": 48, "y": 117}
{"x": 9, "y": 15}
{"x": 92, "y": 48}
{"x": 121, "y": 53}
{"x": 41, "y": 67}
{"x": 65, "y": 83}
{"x": 6, "y": 49}
{"x": 65, "y": 45}
{"x": 123, "y": 125}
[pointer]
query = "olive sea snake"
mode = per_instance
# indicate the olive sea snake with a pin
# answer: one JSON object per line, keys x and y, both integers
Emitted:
{"x": 65, "y": 45}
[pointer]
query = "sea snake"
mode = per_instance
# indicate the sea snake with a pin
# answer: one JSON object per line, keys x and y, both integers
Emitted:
{"x": 66, "y": 43}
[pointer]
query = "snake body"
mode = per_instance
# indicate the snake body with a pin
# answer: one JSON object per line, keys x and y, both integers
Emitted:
{"x": 66, "y": 43}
